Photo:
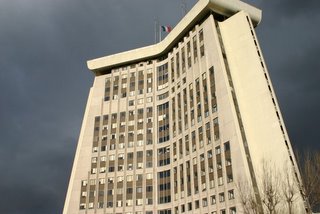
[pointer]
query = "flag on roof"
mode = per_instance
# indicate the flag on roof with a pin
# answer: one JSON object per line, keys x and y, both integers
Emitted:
{"x": 166, "y": 28}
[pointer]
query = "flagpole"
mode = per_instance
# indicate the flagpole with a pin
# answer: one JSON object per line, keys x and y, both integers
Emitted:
{"x": 160, "y": 30}
{"x": 155, "y": 30}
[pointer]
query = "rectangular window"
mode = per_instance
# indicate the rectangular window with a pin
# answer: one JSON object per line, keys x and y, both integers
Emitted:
{"x": 195, "y": 48}
{"x": 230, "y": 194}
{"x": 221, "y": 197}
{"x": 213, "y": 199}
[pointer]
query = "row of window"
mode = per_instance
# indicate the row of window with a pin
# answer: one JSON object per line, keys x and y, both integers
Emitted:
{"x": 204, "y": 203}
{"x": 126, "y": 83}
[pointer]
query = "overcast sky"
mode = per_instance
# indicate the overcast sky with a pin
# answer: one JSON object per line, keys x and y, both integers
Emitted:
{"x": 44, "y": 82}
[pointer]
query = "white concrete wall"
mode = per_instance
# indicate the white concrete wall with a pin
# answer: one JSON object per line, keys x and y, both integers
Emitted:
{"x": 265, "y": 139}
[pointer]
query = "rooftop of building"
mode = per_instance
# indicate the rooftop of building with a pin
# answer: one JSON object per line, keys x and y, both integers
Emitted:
{"x": 222, "y": 8}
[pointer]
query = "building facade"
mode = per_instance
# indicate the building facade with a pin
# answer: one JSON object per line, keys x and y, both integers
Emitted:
{"x": 176, "y": 127}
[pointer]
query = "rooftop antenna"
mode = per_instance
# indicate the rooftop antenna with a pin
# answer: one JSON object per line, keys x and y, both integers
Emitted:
{"x": 156, "y": 29}
{"x": 184, "y": 7}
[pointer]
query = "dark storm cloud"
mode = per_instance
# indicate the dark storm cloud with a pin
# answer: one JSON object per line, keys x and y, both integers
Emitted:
{"x": 293, "y": 7}
{"x": 44, "y": 81}
{"x": 44, "y": 85}
{"x": 289, "y": 37}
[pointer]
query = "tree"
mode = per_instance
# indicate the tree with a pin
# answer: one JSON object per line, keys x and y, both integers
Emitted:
{"x": 247, "y": 197}
{"x": 309, "y": 163}
{"x": 289, "y": 187}
{"x": 270, "y": 184}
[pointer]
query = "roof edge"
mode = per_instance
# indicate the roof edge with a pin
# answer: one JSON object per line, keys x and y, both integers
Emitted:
{"x": 203, "y": 7}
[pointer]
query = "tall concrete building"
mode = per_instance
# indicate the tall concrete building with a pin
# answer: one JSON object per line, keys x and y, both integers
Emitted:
{"x": 182, "y": 125}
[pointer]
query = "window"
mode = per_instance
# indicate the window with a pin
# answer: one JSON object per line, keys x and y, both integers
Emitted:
{"x": 132, "y": 93}
{"x": 204, "y": 202}
{"x": 139, "y": 177}
{"x": 230, "y": 194}
{"x": 92, "y": 181}
{"x": 130, "y": 144}
{"x": 100, "y": 204}
{"x": 131, "y": 102}
{"x": 120, "y": 178}
{"x": 140, "y": 165}
{"x": 149, "y": 176}
{"x": 121, "y": 156}
{"x": 201, "y": 43}
{"x": 82, "y": 206}
{"x": 139, "y": 202}
{"x": 195, "y": 52}
{"x": 94, "y": 160}
{"x": 103, "y": 158}
{"x": 213, "y": 199}
{"x": 129, "y": 203}
{"x": 149, "y": 201}
{"x": 149, "y": 153}
{"x": 162, "y": 76}
{"x": 129, "y": 190}
{"x": 218, "y": 150}
{"x": 139, "y": 190}
{"x": 93, "y": 170}
{"x": 221, "y": 197}
{"x": 149, "y": 188}
{"x": 182, "y": 208}
{"x": 111, "y": 168}
{"x": 95, "y": 149}
{"x": 119, "y": 191}
{"x": 140, "y": 154}
{"x": 140, "y": 143}
{"x": 109, "y": 204}
{"x": 102, "y": 169}
{"x": 197, "y": 204}
{"x": 84, "y": 183}
{"x": 220, "y": 181}
{"x": 149, "y": 110}
{"x": 140, "y": 101}
{"x": 110, "y": 180}
{"x": 90, "y": 205}
{"x": 227, "y": 146}
{"x": 189, "y": 206}
{"x": 111, "y": 157}
{"x": 121, "y": 145}
{"x": 233, "y": 210}
{"x": 129, "y": 178}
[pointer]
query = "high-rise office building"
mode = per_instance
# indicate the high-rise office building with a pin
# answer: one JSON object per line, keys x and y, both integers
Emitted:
{"x": 182, "y": 125}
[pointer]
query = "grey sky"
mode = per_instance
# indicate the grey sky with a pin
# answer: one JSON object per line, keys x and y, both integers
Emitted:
{"x": 44, "y": 82}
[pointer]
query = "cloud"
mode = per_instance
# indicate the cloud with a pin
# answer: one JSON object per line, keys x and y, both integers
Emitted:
{"x": 289, "y": 41}
{"x": 44, "y": 81}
